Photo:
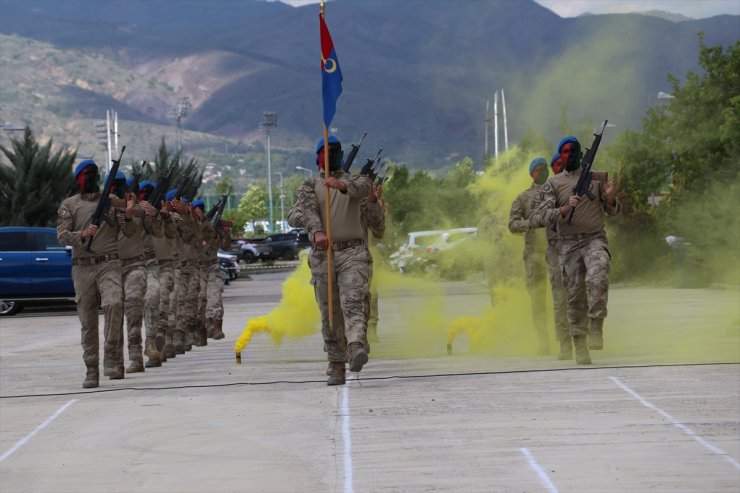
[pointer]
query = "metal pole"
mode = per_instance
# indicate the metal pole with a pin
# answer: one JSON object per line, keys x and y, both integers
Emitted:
{"x": 282, "y": 206}
{"x": 495, "y": 124}
{"x": 269, "y": 181}
{"x": 115, "y": 131}
{"x": 506, "y": 129}
{"x": 108, "y": 142}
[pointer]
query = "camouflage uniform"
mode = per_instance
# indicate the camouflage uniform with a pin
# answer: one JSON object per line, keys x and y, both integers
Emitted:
{"x": 373, "y": 218}
{"x": 534, "y": 260}
{"x": 186, "y": 286}
{"x": 583, "y": 252}
{"x": 351, "y": 259}
{"x": 164, "y": 251}
{"x": 559, "y": 294}
{"x": 96, "y": 276}
{"x": 134, "y": 274}
{"x": 151, "y": 296}
{"x": 214, "y": 285}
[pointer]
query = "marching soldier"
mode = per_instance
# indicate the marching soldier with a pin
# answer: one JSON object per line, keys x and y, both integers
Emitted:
{"x": 96, "y": 272}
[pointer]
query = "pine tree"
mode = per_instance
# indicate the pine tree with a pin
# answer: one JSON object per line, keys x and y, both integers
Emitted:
{"x": 35, "y": 183}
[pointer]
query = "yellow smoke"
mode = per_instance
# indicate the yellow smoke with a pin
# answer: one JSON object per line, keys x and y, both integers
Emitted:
{"x": 296, "y": 316}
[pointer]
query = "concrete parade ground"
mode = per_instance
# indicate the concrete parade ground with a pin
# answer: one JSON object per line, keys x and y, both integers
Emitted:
{"x": 659, "y": 410}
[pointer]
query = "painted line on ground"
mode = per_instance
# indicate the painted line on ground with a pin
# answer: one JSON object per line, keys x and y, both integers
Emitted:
{"x": 347, "y": 439}
{"x": 540, "y": 472}
{"x": 40, "y": 427}
{"x": 712, "y": 448}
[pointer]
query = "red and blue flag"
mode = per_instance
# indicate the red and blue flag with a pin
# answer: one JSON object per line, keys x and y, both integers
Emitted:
{"x": 331, "y": 75}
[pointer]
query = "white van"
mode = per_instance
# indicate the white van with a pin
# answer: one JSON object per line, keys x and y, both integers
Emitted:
{"x": 427, "y": 242}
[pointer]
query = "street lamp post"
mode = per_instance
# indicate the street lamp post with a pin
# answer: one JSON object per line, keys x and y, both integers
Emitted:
{"x": 282, "y": 203}
{"x": 301, "y": 168}
{"x": 269, "y": 122}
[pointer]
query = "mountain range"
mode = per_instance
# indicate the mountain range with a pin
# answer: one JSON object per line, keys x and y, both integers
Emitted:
{"x": 417, "y": 73}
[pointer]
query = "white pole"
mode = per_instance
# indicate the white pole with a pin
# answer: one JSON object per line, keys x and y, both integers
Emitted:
{"x": 495, "y": 124}
{"x": 269, "y": 180}
{"x": 506, "y": 129}
{"x": 107, "y": 132}
{"x": 282, "y": 206}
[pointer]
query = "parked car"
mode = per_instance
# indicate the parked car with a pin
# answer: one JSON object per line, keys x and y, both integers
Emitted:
{"x": 286, "y": 246}
{"x": 229, "y": 265}
{"x": 424, "y": 250}
{"x": 34, "y": 268}
{"x": 251, "y": 249}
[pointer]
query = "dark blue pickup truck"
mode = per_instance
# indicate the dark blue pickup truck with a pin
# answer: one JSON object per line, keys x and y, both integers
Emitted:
{"x": 34, "y": 268}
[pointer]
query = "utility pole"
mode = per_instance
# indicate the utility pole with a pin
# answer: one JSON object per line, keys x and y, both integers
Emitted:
{"x": 269, "y": 122}
{"x": 282, "y": 203}
{"x": 506, "y": 129}
{"x": 495, "y": 124}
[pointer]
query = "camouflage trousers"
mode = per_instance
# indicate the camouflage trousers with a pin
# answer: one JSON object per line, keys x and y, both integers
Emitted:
{"x": 202, "y": 294}
{"x": 187, "y": 299}
{"x": 134, "y": 288}
{"x": 166, "y": 288}
{"x": 351, "y": 279}
{"x": 214, "y": 293}
{"x": 585, "y": 264}
{"x": 536, "y": 272}
{"x": 151, "y": 303}
{"x": 99, "y": 285}
{"x": 559, "y": 294}
{"x": 371, "y": 310}
{"x": 172, "y": 314}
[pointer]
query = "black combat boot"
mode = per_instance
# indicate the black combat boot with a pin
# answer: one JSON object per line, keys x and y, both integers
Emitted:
{"x": 582, "y": 356}
{"x": 357, "y": 356}
{"x": 336, "y": 374}
{"x": 92, "y": 378}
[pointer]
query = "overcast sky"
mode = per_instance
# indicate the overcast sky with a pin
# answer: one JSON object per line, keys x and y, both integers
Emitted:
{"x": 697, "y": 9}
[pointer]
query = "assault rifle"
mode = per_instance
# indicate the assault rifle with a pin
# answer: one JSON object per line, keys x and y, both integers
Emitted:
{"x": 584, "y": 181}
{"x": 159, "y": 192}
{"x": 369, "y": 169}
{"x": 104, "y": 202}
{"x": 184, "y": 183}
{"x": 217, "y": 216}
{"x": 134, "y": 188}
{"x": 352, "y": 154}
{"x": 379, "y": 180}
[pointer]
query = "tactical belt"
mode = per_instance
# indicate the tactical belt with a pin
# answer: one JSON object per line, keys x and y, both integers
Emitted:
{"x": 94, "y": 260}
{"x": 580, "y": 236}
{"x": 343, "y": 245}
{"x": 128, "y": 261}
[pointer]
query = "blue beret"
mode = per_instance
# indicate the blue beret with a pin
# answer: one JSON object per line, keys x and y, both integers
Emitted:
{"x": 536, "y": 162}
{"x": 185, "y": 200}
{"x": 332, "y": 140}
{"x": 146, "y": 184}
{"x": 170, "y": 195}
{"x": 565, "y": 140}
{"x": 84, "y": 164}
{"x": 199, "y": 203}
{"x": 554, "y": 158}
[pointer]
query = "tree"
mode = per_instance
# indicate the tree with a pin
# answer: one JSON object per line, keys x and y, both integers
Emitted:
{"x": 253, "y": 206}
{"x": 37, "y": 181}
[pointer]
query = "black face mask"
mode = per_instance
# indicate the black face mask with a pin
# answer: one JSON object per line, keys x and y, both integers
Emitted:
{"x": 574, "y": 158}
{"x": 119, "y": 189}
{"x": 335, "y": 158}
{"x": 542, "y": 175}
{"x": 88, "y": 183}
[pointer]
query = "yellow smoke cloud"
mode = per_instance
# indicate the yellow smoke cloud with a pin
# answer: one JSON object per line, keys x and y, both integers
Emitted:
{"x": 296, "y": 316}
